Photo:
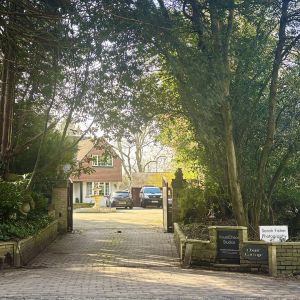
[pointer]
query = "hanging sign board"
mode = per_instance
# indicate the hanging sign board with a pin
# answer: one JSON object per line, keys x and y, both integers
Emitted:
{"x": 273, "y": 233}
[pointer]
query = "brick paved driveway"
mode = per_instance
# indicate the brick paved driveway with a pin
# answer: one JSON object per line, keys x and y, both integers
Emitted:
{"x": 125, "y": 255}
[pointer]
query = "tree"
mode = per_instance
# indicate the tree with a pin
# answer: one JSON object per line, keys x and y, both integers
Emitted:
{"x": 25, "y": 29}
{"x": 225, "y": 67}
{"x": 204, "y": 47}
{"x": 139, "y": 149}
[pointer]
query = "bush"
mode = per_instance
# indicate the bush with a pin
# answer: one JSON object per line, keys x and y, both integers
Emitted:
{"x": 41, "y": 202}
{"x": 286, "y": 211}
{"x": 82, "y": 205}
{"x": 192, "y": 204}
{"x": 16, "y": 223}
{"x": 23, "y": 228}
{"x": 12, "y": 195}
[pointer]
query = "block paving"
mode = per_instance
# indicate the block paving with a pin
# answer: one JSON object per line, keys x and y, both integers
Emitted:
{"x": 126, "y": 255}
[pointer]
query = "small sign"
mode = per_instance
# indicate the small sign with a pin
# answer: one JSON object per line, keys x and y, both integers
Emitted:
{"x": 255, "y": 252}
{"x": 228, "y": 244}
{"x": 273, "y": 233}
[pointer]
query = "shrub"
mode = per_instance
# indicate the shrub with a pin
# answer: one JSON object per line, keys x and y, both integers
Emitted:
{"x": 82, "y": 205}
{"x": 286, "y": 210}
{"x": 16, "y": 223}
{"x": 12, "y": 195}
{"x": 41, "y": 202}
{"x": 23, "y": 228}
{"x": 192, "y": 204}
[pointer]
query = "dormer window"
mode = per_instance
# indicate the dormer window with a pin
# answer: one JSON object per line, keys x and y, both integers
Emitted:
{"x": 104, "y": 160}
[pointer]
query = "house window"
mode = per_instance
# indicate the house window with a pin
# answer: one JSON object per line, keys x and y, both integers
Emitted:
{"x": 107, "y": 189}
{"x": 101, "y": 188}
{"x": 89, "y": 188}
{"x": 105, "y": 160}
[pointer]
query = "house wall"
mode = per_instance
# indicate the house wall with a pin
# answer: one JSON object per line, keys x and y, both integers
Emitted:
{"x": 113, "y": 186}
{"x": 101, "y": 174}
{"x": 76, "y": 191}
{"x": 111, "y": 175}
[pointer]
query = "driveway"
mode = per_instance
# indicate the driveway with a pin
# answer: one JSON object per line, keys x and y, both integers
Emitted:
{"x": 126, "y": 255}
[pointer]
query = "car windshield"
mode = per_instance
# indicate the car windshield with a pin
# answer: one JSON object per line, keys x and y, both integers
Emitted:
{"x": 120, "y": 194}
{"x": 152, "y": 190}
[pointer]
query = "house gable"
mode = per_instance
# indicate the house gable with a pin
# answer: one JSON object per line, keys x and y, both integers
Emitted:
{"x": 101, "y": 173}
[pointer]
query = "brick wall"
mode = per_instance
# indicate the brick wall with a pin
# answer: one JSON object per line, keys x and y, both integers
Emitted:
{"x": 29, "y": 248}
{"x": 254, "y": 264}
{"x": 7, "y": 250}
{"x": 101, "y": 174}
{"x": 180, "y": 241}
{"x": 273, "y": 258}
{"x": 204, "y": 252}
{"x": 60, "y": 202}
{"x": 20, "y": 253}
{"x": 287, "y": 257}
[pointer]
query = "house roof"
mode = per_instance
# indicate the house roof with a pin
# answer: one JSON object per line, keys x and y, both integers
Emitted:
{"x": 84, "y": 147}
{"x": 88, "y": 147}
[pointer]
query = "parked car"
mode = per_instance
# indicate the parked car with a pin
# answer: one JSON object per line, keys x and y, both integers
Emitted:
{"x": 150, "y": 195}
{"x": 121, "y": 199}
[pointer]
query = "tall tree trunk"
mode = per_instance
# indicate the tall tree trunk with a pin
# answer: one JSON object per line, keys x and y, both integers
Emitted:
{"x": 47, "y": 117}
{"x": 260, "y": 194}
{"x": 3, "y": 92}
{"x": 7, "y": 108}
{"x": 221, "y": 65}
{"x": 138, "y": 151}
{"x": 234, "y": 184}
{"x": 292, "y": 149}
{"x": 125, "y": 158}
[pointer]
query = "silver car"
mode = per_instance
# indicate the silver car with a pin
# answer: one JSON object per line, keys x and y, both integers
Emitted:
{"x": 121, "y": 199}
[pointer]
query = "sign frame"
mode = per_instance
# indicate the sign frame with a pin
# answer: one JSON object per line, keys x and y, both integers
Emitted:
{"x": 274, "y": 233}
{"x": 255, "y": 252}
{"x": 228, "y": 246}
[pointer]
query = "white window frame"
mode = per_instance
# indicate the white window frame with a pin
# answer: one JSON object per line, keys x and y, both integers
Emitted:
{"x": 98, "y": 163}
{"x": 89, "y": 191}
{"x": 104, "y": 185}
{"x": 106, "y": 188}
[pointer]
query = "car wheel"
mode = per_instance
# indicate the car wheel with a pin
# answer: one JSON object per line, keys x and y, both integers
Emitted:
{"x": 131, "y": 207}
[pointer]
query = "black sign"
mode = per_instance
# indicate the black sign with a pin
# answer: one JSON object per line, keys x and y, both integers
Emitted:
{"x": 255, "y": 252}
{"x": 228, "y": 246}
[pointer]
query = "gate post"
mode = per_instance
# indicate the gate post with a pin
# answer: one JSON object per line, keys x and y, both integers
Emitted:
{"x": 167, "y": 211}
{"x": 178, "y": 185}
{"x": 60, "y": 200}
{"x": 70, "y": 206}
